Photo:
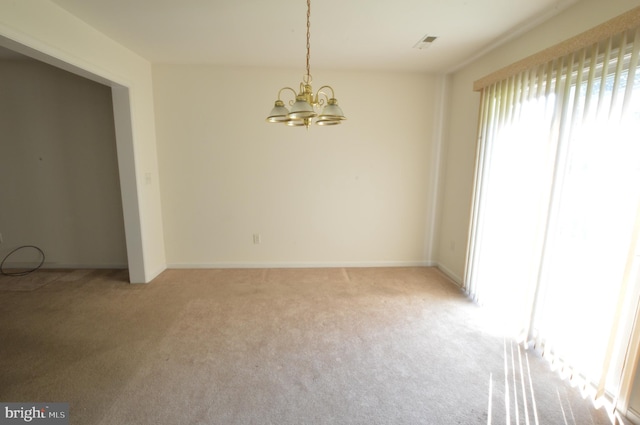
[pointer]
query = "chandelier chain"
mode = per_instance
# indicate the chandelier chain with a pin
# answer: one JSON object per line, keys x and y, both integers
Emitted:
{"x": 308, "y": 40}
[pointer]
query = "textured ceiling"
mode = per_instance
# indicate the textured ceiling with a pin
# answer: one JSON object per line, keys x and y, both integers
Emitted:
{"x": 345, "y": 34}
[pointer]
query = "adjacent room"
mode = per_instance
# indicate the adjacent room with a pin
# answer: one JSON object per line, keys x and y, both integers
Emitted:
{"x": 409, "y": 212}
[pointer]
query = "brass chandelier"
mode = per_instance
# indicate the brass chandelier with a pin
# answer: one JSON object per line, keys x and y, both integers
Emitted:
{"x": 303, "y": 108}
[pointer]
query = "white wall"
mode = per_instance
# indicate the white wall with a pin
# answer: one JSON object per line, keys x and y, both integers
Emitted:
{"x": 58, "y": 168}
{"x": 43, "y": 30}
{"x": 354, "y": 194}
{"x": 463, "y": 118}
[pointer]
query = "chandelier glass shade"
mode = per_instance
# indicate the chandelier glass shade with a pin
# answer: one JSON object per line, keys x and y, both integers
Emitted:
{"x": 304, "y": 108}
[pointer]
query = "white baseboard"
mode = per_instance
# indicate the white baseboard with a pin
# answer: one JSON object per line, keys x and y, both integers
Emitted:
{"x": 288, "y": 265}
{"x": 633, "y": 417}
{"x": 451, "y": 275}
{"x": 149, "y": 277}
{"x": 47, "y": 265}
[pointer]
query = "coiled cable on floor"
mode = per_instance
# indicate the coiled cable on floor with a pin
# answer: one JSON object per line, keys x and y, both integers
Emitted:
{"x": 24, "y": 272}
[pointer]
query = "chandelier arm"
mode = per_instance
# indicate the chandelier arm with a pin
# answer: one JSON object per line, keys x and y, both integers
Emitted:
{"x": 319, "y": 92}
{"x": 286, "y": 88}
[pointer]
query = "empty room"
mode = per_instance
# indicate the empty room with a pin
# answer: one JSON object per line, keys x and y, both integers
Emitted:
{"x": 319, "y": 212}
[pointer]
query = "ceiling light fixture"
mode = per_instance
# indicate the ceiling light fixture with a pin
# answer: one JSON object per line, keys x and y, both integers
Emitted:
{"x": 303, "y": 108}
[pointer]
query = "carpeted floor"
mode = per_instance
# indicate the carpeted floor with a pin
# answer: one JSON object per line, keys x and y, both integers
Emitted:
{"x": 272, "y": 346}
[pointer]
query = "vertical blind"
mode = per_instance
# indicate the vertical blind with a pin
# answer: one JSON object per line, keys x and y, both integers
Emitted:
{"x": 557, "y": 205}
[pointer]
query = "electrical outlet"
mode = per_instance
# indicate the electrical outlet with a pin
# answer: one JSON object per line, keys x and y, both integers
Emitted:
{"x": 256, "y": 239}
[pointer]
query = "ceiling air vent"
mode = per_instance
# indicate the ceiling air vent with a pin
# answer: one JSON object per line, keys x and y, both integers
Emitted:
{"x": 425, "y": 42}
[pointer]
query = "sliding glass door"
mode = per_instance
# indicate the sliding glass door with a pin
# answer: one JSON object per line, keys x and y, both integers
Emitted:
{"x": 556, "y": 204}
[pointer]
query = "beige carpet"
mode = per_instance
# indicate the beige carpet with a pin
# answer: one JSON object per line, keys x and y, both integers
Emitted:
{"x": 39, "y": 278}
{"x": 31, "y": 281}
{"x": 272, "y": 346}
